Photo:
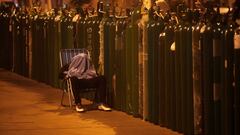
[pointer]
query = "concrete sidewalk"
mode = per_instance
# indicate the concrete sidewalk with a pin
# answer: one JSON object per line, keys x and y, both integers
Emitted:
{"x": 28, "y": 107}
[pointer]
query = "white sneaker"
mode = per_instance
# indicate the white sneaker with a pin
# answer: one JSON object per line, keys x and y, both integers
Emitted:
{"x": 79, "y": 108}
{"x": 104, "y": 107}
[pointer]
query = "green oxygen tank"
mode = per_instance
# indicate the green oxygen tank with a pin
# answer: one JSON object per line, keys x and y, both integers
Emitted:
{"x": 112, "y": 61}
{"x": 14, "y": 27}
{"x": 150, "y": 70}
{"x": 168, "y": 101}
{"x": 38, "y": 45}
{"x": 56, "y": 48}
{"x": 218, "y": 62}
{"x": 183, "y": 65}
{"x": 217, "y": 75}
{"x": 36, "y": 34}
{"x": 136, "y": 45}
{"x": 17, "y": 44}
{"x": 119, "y": 64}
{"x": 207, "y": 67}
{"x": 33, "y": 35}
{"x": 237, "y": 81}
{"x": 159, "y": 62}
{"x": 45, "y": 50}
{"x": 15, "y": 39}
{"x": 51, "y": 43}
{"x": 34, "y": 46}
{"x": 197, "y": 77}
{"x": 28, "y": 47}
{"x": 162, "y": 78}
{"x": 189, "y": 80}
{"x": 41, "y": 55}
{"x": 120, "y": 59}
{"x": 227, "y": 80}
{"x": 179, "y": 72}
{"x": 109, "y": 37}
{"x": 95, "y": 42}
{"x": 135, "y": 69}
{"x": 124, "y": 72}
{"x": 6, "y": 48}
{"x": 22, "y": 45}
{"x": 106, "y": 56}
{"x": 128, "y": 69}
{"x": 49, "y": 59}
{"x": 30, "y": 40}
{"x": 185, "y": 51}
{"x": 141, "y": 26}
{"x": 11, "y": 48}
{"x": 179, "y": 100}
{"x": 171, "y": 76}
{"x": 153, "y": 69}
{"x": 183, "y": 69}
{"x": 2, "y": 39}
{"x": 144, "y": 72}
{"x": 132, "y": 69}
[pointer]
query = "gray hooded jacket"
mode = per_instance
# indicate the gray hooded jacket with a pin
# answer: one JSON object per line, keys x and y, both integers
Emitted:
{"x": 81, "y": 67}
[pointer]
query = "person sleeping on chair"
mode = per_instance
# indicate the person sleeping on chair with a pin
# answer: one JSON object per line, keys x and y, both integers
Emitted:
{"x": 83, "y": 75}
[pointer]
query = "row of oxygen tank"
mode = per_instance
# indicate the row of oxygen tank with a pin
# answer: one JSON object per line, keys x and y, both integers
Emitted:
{"x": 180, "y": 74}
{"x": 30, "y": 43}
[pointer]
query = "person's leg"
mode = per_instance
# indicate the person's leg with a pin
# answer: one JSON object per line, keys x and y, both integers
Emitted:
{"x": 99, "y": 83}
{"x": 81, "y": 84}
{"x": 101, "y": 92}
{"x": 101, "y": 89}
{"x": 76, "y": 90}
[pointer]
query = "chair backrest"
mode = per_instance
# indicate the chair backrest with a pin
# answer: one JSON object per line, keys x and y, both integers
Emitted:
{"x": 67, "y": 54}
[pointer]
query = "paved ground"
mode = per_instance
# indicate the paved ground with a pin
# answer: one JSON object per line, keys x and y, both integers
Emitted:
{"x": 28, "y": 107}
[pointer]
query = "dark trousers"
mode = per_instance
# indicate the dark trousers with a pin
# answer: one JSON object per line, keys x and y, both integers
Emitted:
{"x": 98, "y": 83}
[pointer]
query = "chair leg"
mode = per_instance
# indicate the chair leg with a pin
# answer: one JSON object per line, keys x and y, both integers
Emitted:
{"x": 69, "y": 98}
{"x": 70, "y": 94}
{"x": 69, "y": 91}
{"x": 62, "y": 98}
